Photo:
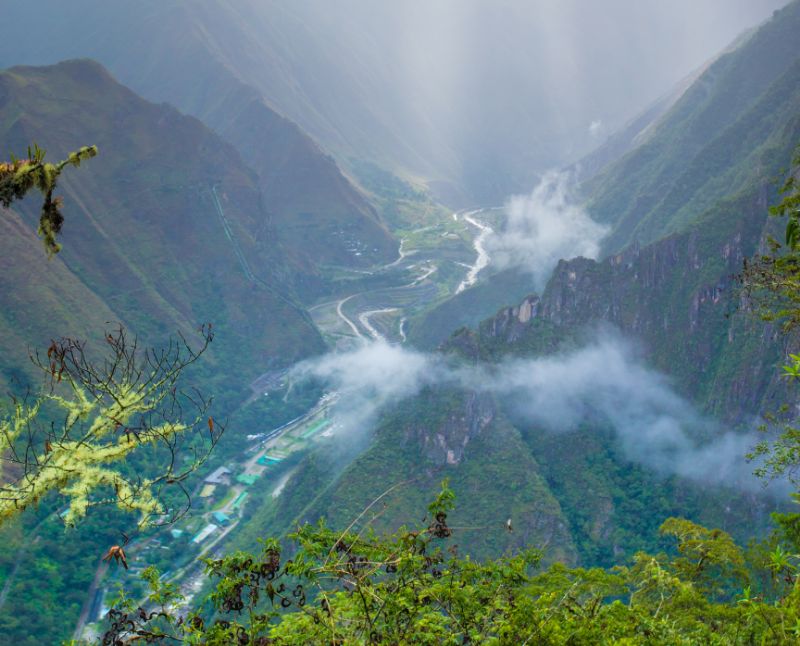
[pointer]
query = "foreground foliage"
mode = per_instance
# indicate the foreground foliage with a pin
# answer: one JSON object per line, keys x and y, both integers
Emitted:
{"x": 20, "y": 176}
{"x": 772, "y": 282}
{"x": 355, "y": 587}
{"x": 93, "y": 416}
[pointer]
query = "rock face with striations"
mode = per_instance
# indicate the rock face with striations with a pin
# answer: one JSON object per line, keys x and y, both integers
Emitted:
{"x": 448, "y": 443}
{"x": 681, "y": 299}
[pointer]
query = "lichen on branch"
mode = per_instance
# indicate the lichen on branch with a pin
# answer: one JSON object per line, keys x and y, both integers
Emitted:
{"x": 20, "y": 176}
{"x": 105, "y": 412}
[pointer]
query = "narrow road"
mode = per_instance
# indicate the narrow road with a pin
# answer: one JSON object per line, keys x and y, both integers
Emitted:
{"x": 347, "y": 320}
{"x": 358, "y": 318}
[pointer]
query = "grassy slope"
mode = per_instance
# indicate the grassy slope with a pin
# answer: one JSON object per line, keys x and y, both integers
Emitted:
{"x": 706, "y": 144}
{"x": 694, "y": 173}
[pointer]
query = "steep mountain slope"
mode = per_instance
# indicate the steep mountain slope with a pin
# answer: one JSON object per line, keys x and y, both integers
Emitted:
{"x": 729, "y": 132}
{"x": 319, "y": 216}
{"x": 166, "y": 231}
{"x": 709, "y": 143}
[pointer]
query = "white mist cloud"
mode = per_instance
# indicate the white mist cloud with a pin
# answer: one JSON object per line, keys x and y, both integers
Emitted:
{"x": 369, "y": 378}
{"x": 596, "y": 128}
{"x": 603, "y": 384}
{"x": 544, "y": 227}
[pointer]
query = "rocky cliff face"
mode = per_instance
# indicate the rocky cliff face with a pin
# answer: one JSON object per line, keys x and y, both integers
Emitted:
{"x": 681, "y": 299}
{"x": 447, "y": 443}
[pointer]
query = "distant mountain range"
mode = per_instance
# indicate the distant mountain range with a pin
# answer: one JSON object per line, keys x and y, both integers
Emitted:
{"x": 473, "y": 99}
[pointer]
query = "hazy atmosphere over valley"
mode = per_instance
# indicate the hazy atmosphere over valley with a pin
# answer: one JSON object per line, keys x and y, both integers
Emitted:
{"x": 354, "y": 321}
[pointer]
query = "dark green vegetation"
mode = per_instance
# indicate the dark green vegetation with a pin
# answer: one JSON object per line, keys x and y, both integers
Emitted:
{"x": 354, "y": 586}
{"x": 315, "y": 214}
{"x": 468, "y": 309}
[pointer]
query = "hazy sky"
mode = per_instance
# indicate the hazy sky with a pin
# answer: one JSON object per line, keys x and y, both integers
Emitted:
{"x": 512, "y": 85}
{"x": 482, "y": 96}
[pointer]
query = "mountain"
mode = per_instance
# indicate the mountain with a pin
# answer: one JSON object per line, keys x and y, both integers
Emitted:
{"x": 708, "y": 171}
{"x": 715, "y": 139}
{"x": 164, "y": 230}
{"x": 319, "y": 216}
{"x": 167, "y": 230}
{"x": 730, "y": 131}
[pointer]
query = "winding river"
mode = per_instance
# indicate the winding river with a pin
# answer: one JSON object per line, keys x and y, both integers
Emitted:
{"x": 482, "y": 260}
{"x": 381, "y": 314}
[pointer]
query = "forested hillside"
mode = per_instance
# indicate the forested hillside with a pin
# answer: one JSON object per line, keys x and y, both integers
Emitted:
{"x": 143, "y": 244}
{"x": 168, "y": 232}
{"x": 678, "y": 298}
{"x": 718, "y": 138}
{"x": 318, "y": 215}
{"x": 709, "y": 159}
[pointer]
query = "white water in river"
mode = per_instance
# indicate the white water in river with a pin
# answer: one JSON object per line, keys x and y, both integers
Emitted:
{"x": 364, "y": 317}
{"x": 482, "y": 261}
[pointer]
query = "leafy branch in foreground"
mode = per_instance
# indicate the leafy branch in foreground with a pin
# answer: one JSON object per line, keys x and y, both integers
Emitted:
{"x": 82, "y": 434}
{"x": 19, "y": 176}
{"x": 355, "y": 587}
{"x": 772, "y": 283}
{"x": 772, "y": 280}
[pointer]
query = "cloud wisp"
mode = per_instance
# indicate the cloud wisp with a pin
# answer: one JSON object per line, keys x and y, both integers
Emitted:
{"x": 602, "y": 384}
{"x": 368, "y": 379}
{"x": 544, "y": 227}
{"x": 605, "y": 384}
